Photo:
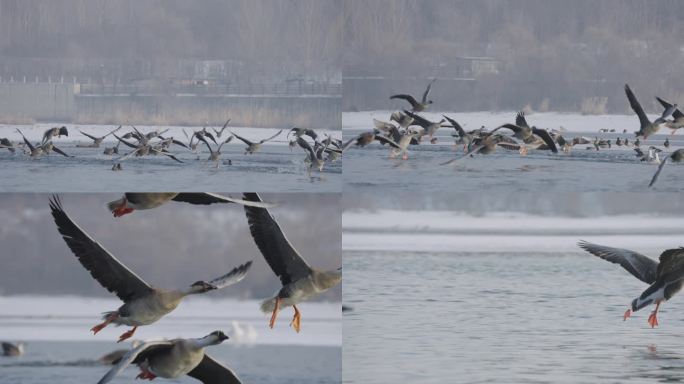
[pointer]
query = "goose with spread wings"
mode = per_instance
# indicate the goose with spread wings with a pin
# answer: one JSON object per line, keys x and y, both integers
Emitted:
{"x": 143, "y": 303}
{"x": 132, "y": 201}
{"x": 171, "y": 359}
{"x": 300, "y": 281}
{"x": 665, "y": 278}
{"x": 96, "y": 140}
{"x": 533, "y": 136}
{"x": 646, "y": 127}
{"x": 677, "y": 121}
{"x": 417, "y": 106}
{"x": 675, "y": 157}
{"x": 253, "y": 147}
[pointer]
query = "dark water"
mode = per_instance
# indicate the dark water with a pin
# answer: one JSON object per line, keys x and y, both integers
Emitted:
{"x": 75, "y": 362}
{"x": 581, "y": 170}
{"x": 90, "y": 171}
{"x": 502, "y": 318}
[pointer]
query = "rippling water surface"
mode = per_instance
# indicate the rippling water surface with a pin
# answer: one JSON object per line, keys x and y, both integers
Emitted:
{"x": 476, "y": 313}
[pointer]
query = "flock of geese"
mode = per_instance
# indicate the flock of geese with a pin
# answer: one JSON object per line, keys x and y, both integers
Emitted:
{"x": 154, "y": 143}
{"x": 406, "y": 128}
{"x": 144, "y": 304}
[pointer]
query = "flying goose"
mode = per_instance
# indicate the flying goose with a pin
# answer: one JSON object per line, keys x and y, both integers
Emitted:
{"x": 665, "y": 278}
{"x": 12, "y": 350}
{"x": 254, "y": 147}
{"x": 219, "y": 133}
{"x": 417, "y": 106}
{"x": 7, "y": 144}
{"x": 143, "y": 148}
{"x": 529, "y": 135}
{"x": 52, "y": 132}
{"x": 402, "y": 119}
{"x": 300, "y": 281}
{"x": 314, "y": 158}
{"x": 175, "y": 358}
{"x": 483, "y": 145}
{"x": 463, "y": 137}
{"x": 647, "y": 127}
{"x": 430, "y": 127}
{"x": 676, "y": 157}
{"x": 34, "y": 152}
{"x": 143, "y": 304}
{"x": 98, "y": 140}
{"x": 299, "y": 132}
{"x": 215, "y": 156}
{"x": 132, "y": 201}
{"x": 677, "y": 121}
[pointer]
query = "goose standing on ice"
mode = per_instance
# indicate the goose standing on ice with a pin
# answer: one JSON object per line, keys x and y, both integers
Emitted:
{"x": 132, "y": 201}
{"x": 665, "y": 278}
{"x": 300, "y": 281}
{"x": 143, "y": 304}
{"x": 175, "y": 358}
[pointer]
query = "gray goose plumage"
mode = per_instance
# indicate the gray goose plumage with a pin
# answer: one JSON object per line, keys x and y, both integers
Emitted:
{"x": 677, "y": 115}
{"x": 299, "y": 280}
{"x": 132, "y": 201}
{"x": 143, "y": 304}
{"x": 175, "y": 358}
{"x": 675, "y": 157}
{"x": 665, "y": 278}
{"x": 253, "y": 147}
{"x": 417, "y": 106}
{"x": 646, "y": 127}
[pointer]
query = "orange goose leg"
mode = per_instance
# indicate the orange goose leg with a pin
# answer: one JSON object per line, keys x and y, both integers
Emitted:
{"x": 145, "y": 374}
{"x": 127, "y": 334}
{"x": 652, "y": 319}
{"x": 108, "y": 320}
{"x": 627, "y": 314}
{"x": 296, "y": 320}
{"x": 274, "y": 315}
{"x": 122, "y": 210}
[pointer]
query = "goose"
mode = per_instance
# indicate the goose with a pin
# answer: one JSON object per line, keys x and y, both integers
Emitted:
{"x": 132, "y": 201}
{"x": 192, "y": 145}
{"x": 314, "y": 158}
{"x": 676, "y": 157}
{"x": 114, "y": 357}
{"x": 34, "y": 152}
{"x": 665, "y": 278}
{"x": 430, "y": 127}
{"x": 97, "y": 140}
{"x": 52, "y": 132}
{"x": 650, "y": 157}
{"x": 529, "y": 135}
{"x": 647, "y": 127}
{"x": 171, "y": 359}
{"x": 142, "y": 149}
{"x": 666, "y": 144}
{"x": 112, "y": 150}
{"x": 618, "y": 142}
{"x": 382, "y": 126}
{"x": 50, "y": 147}
{"x": 463, "y": 137}
{"x": 219, "y": 133}
{"x": 204, "y": 133}
{"x": 7, "y": 144}
{"x": 254, "y": 147}
{"x": 11, "y": 349}
{"x": 366, "y": 138}
{"x": 417, "y": 106}
{"x": 215, "y": 156}
{"x": 484, "y": 145}
{"x": 117, "y": 167}
{"x": 299, "y": 132}
{"x": 677, "y": 121}
{"x": 143, "y": 304}
{"x": 299, "y": 280}
{"x": 402, "y": 119}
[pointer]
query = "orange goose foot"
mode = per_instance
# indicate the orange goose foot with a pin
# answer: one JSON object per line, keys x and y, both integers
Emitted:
{"x": 127, "y": 334}
{"x": 296, "y": 320}
{"x": 146, "y": 375}
{"x": 100, "y": 326}
{"x": 274, "y": 315}
{"x": 122, "y": 210}
{"x": 627, "y": 314}
{"x": 653, "y": 319}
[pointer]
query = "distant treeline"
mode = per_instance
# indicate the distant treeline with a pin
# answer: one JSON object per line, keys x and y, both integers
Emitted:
{"x": 268, "y": 38}
{"x": 554, "y": 54}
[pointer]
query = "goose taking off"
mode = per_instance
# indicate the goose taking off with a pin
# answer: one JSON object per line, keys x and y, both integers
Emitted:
{"x": 175, "y": 358}
{"x": 676, "y": 157}
{"x": 143, "y": 304}
{"x": 677, "y": 115}
{"x": 98, "y": 140}
{"x": 300, "y": 281}
{"x": 647, "y": 127}
{"x": 12, "y": 350}
{"x": 254, "y": 147}
{"x": 529, "y": 135}
{"x": 417, "y": 106}
{"x": 132, "y": 201}
{"x": 220, "y": 132}
{"x": 52, "y": 132}
{"x": 665, "y": 278}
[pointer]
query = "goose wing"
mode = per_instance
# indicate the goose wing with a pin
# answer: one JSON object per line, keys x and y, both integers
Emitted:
{"x": 205, "y": 198}
{"x": 304, "y": 144}
{"x": 677, "y": 114}
{"x": 242, "y": 138}
{"x": 642, "y": 267}
{"x": 272, "y": 137}
{"x": 427, "y": 91}
{"x": 210, "y": 371}
{"x": 54, "y": 148}
{"x": 634, "y": 103}
{"x": 456, "y": 125}
{"x": 406, "y": 97}
{"x": 660, "y": 168}
{"x": 28, "y": 143}
{"x": 520, "y": 120}
{"x": 280, "y": 255}
{"x": 234, "y": 276}
{"x": 671, "y": 265}
{"x": 387, "y": 140}
{"x": 102, "y": 265}
{"x": 546, "y": 137}
{"x": 91, "y": 137}
{"x": 137, "y": 354}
